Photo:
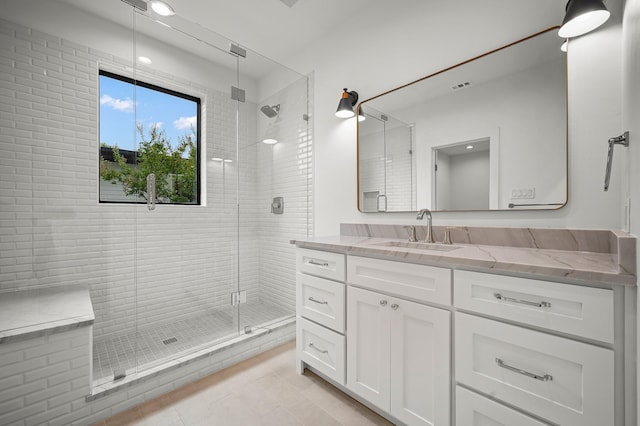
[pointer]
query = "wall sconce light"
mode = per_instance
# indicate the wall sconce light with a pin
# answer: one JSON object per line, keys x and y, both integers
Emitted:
{"x": 565, "y": 45}
{"x": 347, "y": 102}
{"x": 582, "y": 16}
{"x": 361, "y": 116}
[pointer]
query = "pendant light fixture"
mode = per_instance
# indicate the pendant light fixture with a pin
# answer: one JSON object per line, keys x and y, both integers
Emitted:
{"x": 582, "y": 16}
{"x": 347, "y": 102}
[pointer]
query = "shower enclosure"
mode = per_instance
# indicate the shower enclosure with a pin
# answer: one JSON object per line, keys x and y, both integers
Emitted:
{"x": 167, "y": 278}
{"x": 200, "y": 275}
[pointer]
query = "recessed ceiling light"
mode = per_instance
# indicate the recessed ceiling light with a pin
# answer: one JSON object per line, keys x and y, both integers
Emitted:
{"x": 469, "y": 146}
{"x": 144, "y": 60}
{"x": 216, "y": 159}
{"x": 228, "y": 161}
{"x": 270, "y": 141}
{"x": 162, "y": 8}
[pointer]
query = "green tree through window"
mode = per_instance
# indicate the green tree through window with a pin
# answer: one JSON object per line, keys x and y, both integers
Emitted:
{"x": 169, "y": 151}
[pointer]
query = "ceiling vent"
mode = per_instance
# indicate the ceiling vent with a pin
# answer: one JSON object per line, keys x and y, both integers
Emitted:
{"x": 461, "y": 86}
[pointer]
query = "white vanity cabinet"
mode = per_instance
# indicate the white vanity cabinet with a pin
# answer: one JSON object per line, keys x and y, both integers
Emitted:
{"x": 320, "y": 310}
{"x": 430, "y": 345}
{"x": 398, "y": 351}
{"x": 538, "y": 367}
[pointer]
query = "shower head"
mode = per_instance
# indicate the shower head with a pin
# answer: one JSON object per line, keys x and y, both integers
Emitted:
{"x": 270, "y": 111}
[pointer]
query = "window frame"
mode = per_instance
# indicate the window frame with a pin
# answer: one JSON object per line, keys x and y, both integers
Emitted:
{"x": 151, "y": 86}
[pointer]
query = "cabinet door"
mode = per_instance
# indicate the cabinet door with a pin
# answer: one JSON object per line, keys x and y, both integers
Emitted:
{"x": 420, "y": 363}
{"x": 368, "y": 360}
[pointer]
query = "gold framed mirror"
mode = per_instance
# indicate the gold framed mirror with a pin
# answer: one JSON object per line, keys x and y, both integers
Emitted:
{"x": 489, "y": 133}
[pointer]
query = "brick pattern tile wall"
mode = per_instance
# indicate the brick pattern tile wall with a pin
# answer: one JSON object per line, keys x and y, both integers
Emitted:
{"x": 286, "y": 171}
{"x": 45, "y": 378}
{"x": 53, "y": 231}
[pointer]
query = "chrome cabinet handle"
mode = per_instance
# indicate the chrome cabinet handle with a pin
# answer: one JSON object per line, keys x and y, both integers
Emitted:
{"x": 395, "y": 306}
{"x": 322, "y": 351}
{"x": 151, "y": 191}
{"x": 311, "y": 299}
{"x": 313, "y": 262}
{"x": 543, "y": 378}
{"x": 522, "y": 302}
{"x": 383, "y": 303}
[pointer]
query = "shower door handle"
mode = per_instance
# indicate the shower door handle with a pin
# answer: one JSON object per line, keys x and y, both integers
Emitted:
{"x": 151, "y": 191}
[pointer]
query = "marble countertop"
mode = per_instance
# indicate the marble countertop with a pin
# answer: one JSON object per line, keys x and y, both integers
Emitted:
{"x": 579, "y": 267}
{"x": 30, "y": 313}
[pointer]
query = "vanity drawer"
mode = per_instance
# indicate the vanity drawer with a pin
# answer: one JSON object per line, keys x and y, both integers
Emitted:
{"x": 321, "y": 263}
{"x": 476, "y": 410}
{"x": 573, "y": 309}
{"x": 321, "y": 348}
{"x": 561, "y": 380}
{"x": 420, "y": 282}
{"x": 321, "y": 300}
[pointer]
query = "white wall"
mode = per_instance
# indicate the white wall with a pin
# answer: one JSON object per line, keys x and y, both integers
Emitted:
{"x": 397, "y": 42}
{"x": 469, "y": 176}
{"x": 631, "y": 121}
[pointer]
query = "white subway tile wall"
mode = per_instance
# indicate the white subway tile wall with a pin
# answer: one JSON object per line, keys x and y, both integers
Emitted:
{"x": 142, "y": 267}
{"x": 44, "y": 378}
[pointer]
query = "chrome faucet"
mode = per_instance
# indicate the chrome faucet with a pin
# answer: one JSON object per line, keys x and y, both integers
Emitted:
{"x": 421, "y": 214}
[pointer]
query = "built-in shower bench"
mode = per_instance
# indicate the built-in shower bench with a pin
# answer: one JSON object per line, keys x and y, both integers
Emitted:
{"x": 28, "y": 314}
{"x": 45, "y": 353}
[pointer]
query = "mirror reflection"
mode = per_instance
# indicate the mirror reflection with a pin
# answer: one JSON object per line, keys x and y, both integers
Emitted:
{"x": 487, "y": 134}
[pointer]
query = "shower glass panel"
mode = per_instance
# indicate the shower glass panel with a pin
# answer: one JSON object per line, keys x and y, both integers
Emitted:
{"x": 275, "y": 171}
{"x": 187, "y": 250}
{"x": 217, "y": 266}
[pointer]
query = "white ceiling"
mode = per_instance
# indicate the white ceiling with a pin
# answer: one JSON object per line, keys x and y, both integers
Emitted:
{"x": 269, "y": 27}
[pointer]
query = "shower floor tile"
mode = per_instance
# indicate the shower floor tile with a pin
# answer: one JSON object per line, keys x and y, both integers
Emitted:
{"x": 164, "y": 341}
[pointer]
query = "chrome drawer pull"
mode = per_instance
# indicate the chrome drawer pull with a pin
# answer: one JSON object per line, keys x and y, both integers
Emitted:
{"x": 522, "y": 302}
{"x": 545, "y": 378}
{"x": 322, "y": 351}
{"x": 311, "y": 299}
{"x": 313, "y": 262}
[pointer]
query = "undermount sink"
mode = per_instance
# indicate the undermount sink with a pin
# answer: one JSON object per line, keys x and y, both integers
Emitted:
{"x": 419, "y": 246}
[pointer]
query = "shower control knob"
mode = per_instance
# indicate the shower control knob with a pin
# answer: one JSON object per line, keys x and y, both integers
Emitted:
{"x": 383, "y": 303}
{"x": 395, "y": 306}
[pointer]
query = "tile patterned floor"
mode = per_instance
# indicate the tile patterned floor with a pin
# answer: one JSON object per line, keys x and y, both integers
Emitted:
{"x": 164, "y": 341}
{"x": 264, "y": 390}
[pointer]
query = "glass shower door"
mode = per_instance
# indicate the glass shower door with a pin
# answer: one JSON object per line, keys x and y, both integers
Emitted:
{"x": 186, "y": 230}
{"x": 274, "y": 157}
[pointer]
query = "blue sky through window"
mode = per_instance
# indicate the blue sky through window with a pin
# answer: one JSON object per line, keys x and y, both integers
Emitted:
{"x": 122, "y": 105}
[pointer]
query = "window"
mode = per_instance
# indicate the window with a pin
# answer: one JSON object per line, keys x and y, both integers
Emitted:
{"x": 146, "y": 129}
